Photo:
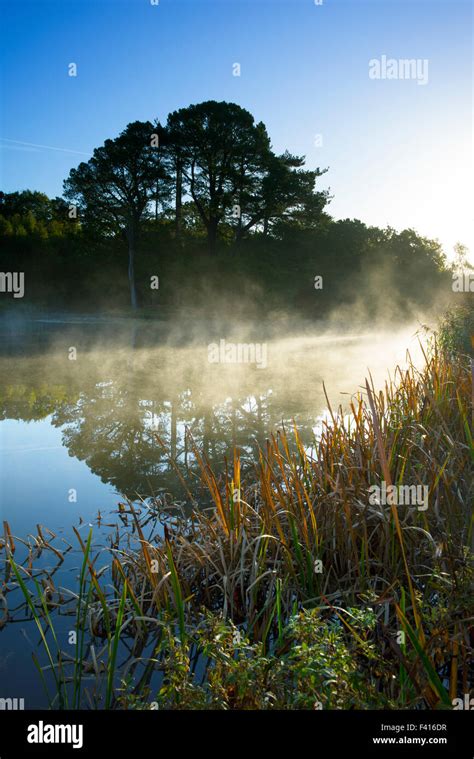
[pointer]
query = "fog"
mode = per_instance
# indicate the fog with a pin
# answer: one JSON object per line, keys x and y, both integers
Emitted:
{"x": 125, "y": 393}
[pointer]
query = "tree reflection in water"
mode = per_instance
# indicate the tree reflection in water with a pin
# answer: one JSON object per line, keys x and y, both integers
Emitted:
{"x": 129, "y": 413}
{"x": 132, "y": 406}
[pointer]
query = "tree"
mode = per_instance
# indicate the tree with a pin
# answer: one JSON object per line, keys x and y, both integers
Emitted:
{"x": 461, "y": 257}
{"x": 282, "y": 195}
{"x": 219, "y": 149}
{"x": 115, "y": 188}
{"x": 27, "y": 201}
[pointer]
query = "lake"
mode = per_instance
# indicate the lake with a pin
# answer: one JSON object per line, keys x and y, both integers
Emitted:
{"x": 96, "y": 412}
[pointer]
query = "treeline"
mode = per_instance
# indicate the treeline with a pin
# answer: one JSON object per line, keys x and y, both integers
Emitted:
{"x": 201, "y": 211}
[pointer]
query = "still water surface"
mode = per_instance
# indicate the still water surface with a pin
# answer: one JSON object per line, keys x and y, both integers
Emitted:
{"x": 78, "y": 435}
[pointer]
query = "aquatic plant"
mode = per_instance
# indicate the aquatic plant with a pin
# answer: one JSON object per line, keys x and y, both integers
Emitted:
{"x": 297, "y": 587}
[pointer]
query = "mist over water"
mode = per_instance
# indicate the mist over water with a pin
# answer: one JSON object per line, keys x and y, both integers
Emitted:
{"x": 83, "y": 429}
{"x": 119, "y": 398}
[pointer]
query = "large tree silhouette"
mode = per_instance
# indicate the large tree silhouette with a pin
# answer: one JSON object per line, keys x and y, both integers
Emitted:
{"x": 221, "y": 153}
{"x": 115, "y": 188}
{"x": 282, "y": 194}
{"x": 224, "y": 161}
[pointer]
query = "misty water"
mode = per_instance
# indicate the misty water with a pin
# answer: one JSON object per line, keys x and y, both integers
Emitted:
{"x": 94, "y": 413}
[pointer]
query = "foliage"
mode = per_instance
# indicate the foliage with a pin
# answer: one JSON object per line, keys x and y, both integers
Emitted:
{"x": 457, "y": 328}
{"x": 295, "y": 590}
{"x": 209, "y": 182}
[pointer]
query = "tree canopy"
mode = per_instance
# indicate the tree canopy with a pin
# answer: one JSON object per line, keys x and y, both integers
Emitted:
{"x": 206, "y": 203}
{"x": 113, "y": 190}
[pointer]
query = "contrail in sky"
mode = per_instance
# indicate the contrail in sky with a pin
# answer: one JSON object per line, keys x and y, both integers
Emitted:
{"x": 45, "y": 147}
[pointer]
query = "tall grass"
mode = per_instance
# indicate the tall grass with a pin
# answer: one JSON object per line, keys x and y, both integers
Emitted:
{"x": 300, "y": 534}
{"x": 254, "y": 558}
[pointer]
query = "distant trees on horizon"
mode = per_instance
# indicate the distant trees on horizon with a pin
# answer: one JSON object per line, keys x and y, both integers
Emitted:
{"x": 209, "y": 176}
{"x": 213, "y": 154}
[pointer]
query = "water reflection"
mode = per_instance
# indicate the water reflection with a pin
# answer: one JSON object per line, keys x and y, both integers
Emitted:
{"x": 125, "y": 402}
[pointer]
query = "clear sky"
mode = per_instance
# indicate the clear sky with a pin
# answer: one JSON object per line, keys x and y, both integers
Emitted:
{"x": 398, "y": 152}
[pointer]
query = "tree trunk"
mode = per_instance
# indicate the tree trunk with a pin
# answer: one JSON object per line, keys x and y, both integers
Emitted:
{"x": 179, "y": 202}
{"x": 239, "y": 234}
{"x": 212, "y": 236}
{"x": 131, "y": 266}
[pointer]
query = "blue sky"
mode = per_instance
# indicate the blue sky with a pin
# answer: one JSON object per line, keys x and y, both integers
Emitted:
{"x": 398, "y": 152}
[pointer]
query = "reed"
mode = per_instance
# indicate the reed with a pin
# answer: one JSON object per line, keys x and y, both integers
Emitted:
{"x": 300, "y": 538}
